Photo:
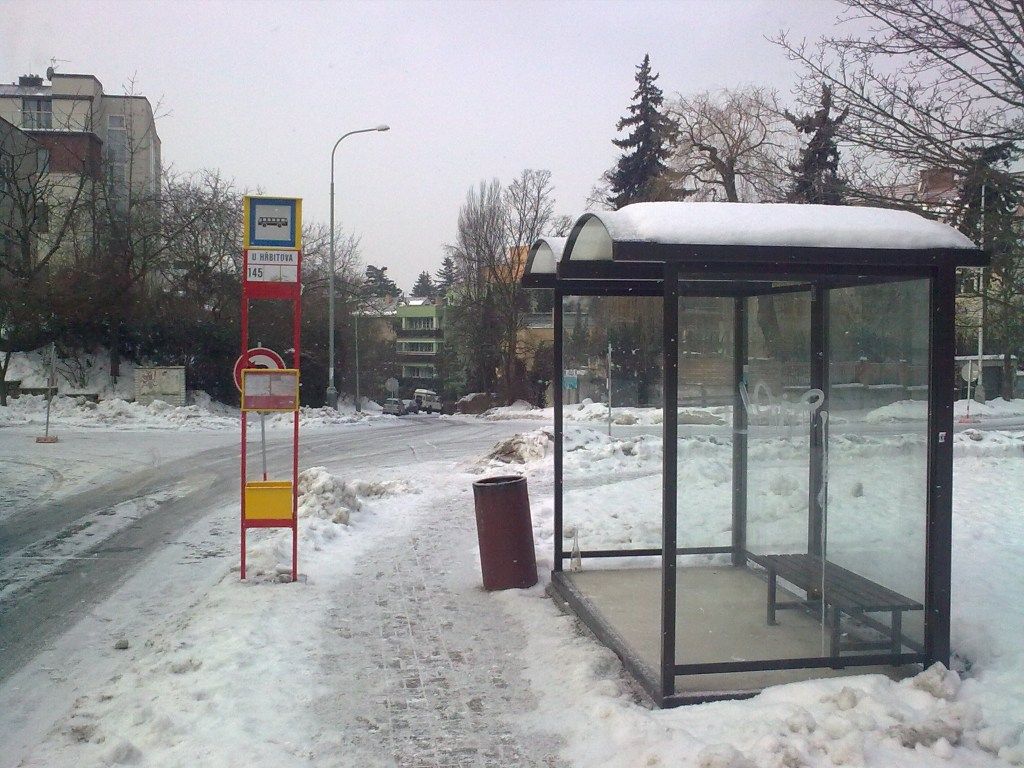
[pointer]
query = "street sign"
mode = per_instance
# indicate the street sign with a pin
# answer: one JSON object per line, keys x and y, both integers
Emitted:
{"x": 969, "y": 371}
{"x": 257, "y": 357}
{"x": 272, "y": 222}
{"x": 270, "y": 390}
{"x": 271, "y": 266}
{"x": 391, "y": 385}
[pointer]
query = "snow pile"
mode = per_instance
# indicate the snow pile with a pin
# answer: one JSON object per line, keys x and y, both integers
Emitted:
{"x": 520, "y": 409}
{"x": 86, "y": 373}
{"x": 317, "y": 418}
{"x": 588, "y": 411}
{"x": 528, "y": 448}
{"x": 328, "y": 507}
{"x": 917, "y": 410}
{"x": 205, "y": 414}
{"x": 114, "y": 414}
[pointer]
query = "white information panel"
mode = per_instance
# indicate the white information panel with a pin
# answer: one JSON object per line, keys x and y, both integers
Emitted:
{"x": 265, "y": 266}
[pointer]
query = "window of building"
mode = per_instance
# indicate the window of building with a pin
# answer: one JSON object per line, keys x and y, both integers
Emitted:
{"x": 419, "y": 323}
{"x": 36, "y": 113}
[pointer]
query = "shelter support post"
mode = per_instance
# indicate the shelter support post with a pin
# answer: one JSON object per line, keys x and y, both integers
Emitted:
{"x": 816, "y": 487}
{"x": 559, "y": 393}
{"x": 940, "y": 465}
{"x": 670, "y": 345}
{"x": 739, "y": 433}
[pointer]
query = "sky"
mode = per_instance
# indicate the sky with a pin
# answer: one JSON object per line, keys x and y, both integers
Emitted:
{"x": 471, "y": 90}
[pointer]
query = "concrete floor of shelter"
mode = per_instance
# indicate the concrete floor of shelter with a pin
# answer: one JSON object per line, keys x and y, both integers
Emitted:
{"x": 720, "y": 617}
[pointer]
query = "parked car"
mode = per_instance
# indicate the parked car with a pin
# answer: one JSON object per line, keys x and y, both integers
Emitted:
{"x": 411, "y": 406}
{"x": 393, "y": 406}
{"x": 428, "y": 400}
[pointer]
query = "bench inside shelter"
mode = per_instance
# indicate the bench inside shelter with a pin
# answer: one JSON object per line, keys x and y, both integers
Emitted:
{"x": 835, "y": 592}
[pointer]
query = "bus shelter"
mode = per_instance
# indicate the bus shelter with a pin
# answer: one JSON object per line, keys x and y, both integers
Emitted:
{"x": 770, "y": 498}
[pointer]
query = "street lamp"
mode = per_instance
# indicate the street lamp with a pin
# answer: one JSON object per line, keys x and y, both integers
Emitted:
{"x": 332, "y": 392}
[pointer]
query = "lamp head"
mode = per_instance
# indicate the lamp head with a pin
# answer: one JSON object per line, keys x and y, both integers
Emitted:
{"x": 383, "y": 127}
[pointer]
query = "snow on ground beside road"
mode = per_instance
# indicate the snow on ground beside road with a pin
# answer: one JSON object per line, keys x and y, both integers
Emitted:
{"x": 917, "y": 410}
{"x": 32, "y": 370}
{"x": 206, "y": 415}
{"x": 868, "y": 720}
{"x": 232, "y": 677}
{"x": 589, "y": 411}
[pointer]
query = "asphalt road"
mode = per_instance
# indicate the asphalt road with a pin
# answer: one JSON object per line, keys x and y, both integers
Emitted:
{"x": 38, "y": 612}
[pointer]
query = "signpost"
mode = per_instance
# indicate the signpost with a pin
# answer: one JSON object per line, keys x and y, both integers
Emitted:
{"x": 271, "y": 269}
{"x": 970, "y": 372}
{"x": 391, "y": 385}
{"x": 51, "y": 388}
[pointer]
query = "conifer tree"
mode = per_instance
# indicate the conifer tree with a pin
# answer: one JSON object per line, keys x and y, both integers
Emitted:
{"x": 379, "y": 284}
{"x": 639, "y": 174}
{"x": 446, "y": 276}
{"x": 817, "y": 168}
{"x": 424, "y": 287}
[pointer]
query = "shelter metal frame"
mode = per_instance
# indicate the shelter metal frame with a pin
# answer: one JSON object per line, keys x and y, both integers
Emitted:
{"x": 671, "y": 271}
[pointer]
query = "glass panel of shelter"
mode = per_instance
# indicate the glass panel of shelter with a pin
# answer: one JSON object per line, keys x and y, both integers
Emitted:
{"x": 831, "y": 486}
{"x": 612, "y": 468}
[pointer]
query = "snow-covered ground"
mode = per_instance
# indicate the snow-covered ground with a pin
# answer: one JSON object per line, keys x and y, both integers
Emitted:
{"x": 388, "y": 653}
{"x": 206, "y": 415}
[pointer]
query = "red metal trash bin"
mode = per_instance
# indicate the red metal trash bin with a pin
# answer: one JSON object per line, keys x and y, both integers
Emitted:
{"x": 505, "y": 532}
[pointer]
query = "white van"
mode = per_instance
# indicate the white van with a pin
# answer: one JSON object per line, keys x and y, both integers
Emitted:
{"x": 428, "y": 400}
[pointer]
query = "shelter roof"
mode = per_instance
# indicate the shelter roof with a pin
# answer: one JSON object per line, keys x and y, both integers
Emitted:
{"x": 715, "y": 241}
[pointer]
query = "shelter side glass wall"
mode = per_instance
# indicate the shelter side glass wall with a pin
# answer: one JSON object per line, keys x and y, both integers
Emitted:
{"x": 721, "y": 601}
{"x": 876, "y": 516}
{"x": 612, "y": 502}
{"x": 704, "y": 449}
{"x": 777, "y": 380}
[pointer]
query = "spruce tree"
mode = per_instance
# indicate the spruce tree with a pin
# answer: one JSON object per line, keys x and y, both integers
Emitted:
{"x": 639, "y": 174}
{"x": 446, "y": 276}
{"x": 817, "y": 168}
{"x": 424, "y": 287}
{"x": 379, "y": 284}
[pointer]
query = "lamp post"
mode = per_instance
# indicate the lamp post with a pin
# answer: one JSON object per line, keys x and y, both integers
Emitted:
{"x": 332, "y": 392}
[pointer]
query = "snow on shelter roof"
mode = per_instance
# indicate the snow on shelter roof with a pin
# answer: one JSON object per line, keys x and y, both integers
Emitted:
{"x": 544, "y": 255}
{"x": 678, "y": 230}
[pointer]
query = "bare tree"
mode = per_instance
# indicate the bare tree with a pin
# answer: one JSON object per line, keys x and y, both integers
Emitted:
{"x": 927, "y": 81}
{"x": 38, "y": 210}
{"x": 730, "y": 145}
{"x": 497, "y": 226}
{"x": 529, "y": 209}
{"x": 478, "y": 249}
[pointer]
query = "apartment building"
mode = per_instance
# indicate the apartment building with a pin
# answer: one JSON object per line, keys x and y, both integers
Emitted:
{"x": 87, "y": 131}
{"x": 420, "y": 337}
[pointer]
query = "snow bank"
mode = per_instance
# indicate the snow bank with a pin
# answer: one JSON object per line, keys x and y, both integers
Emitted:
{"x": 205, "y": 414}
{"x": 590, "y": 412}
{"x": 917, "y": 410}
{"x": 328, "y": 505}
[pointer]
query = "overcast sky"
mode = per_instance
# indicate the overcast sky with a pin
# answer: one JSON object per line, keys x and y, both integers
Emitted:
{"x": 471, "y": 90}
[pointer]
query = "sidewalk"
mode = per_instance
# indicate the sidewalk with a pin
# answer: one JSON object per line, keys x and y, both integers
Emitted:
{"x": 425, "y": 666}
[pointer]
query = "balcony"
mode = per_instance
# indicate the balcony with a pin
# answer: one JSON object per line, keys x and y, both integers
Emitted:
{"x": 418, "y": 333}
